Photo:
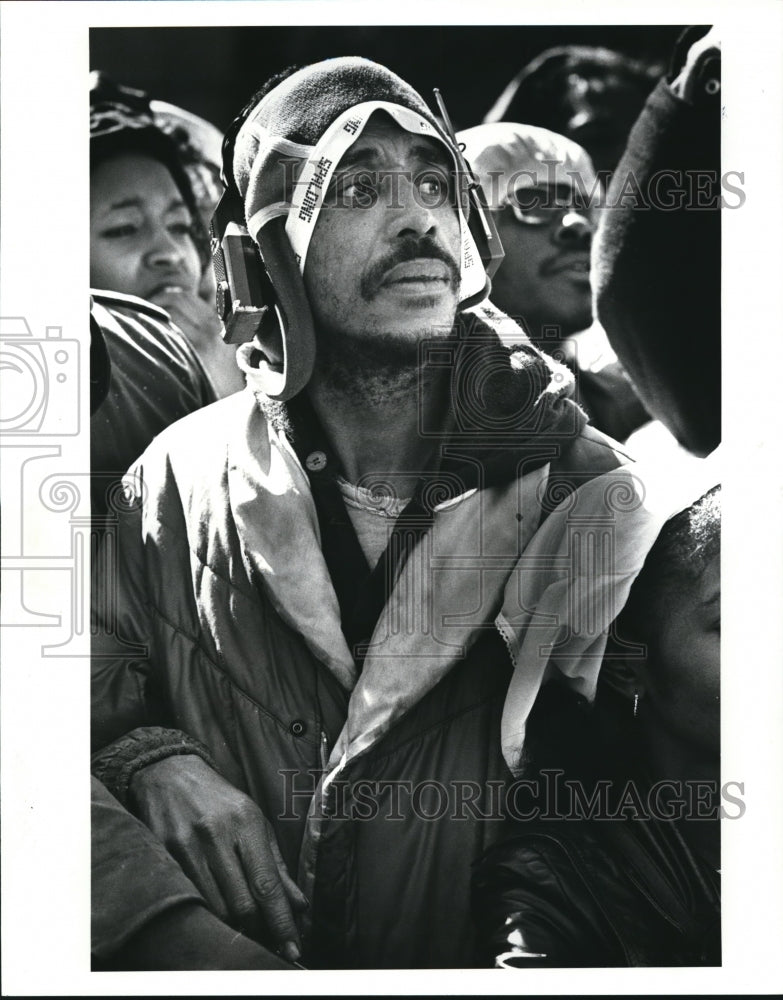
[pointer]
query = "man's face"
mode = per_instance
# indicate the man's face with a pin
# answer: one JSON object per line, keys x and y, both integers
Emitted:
{"x": 545, "y": 276}
{"x": 141, "y": 239}
{"x": 683, "y": 682}
{"x": 383, "y": 262}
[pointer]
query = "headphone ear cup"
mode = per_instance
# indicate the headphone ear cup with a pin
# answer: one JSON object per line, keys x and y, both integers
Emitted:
{"x": 287, "y": 329}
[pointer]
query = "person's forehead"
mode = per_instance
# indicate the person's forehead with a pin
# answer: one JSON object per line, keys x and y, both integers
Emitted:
{"x": 383, "y": 140}
{"x": 132, "y": 177}
{"x": 131, "y": 167}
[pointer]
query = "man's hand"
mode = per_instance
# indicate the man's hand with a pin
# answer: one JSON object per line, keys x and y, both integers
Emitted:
{"x": 225, "y": 845}
{"x": 196, "y": 318}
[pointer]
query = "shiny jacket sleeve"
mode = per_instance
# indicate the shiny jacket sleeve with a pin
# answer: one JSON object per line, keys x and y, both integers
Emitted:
{"x": 122, "y": 678}
{"x": 529, "y": 898}
{"x": 131, "y": 726}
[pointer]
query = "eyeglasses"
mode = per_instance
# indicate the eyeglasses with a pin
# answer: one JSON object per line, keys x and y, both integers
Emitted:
{"x": 537, "y": 207}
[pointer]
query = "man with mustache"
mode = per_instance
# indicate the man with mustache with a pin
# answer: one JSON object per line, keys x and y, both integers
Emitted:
{"x": 543, "y": 193}
{"x": 317, "y": 575}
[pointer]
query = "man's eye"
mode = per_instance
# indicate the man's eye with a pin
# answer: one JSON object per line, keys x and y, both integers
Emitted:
{"x": 181, "y": 228}
{"x": 358, "y": 189}
{"x": 433, "y": 188}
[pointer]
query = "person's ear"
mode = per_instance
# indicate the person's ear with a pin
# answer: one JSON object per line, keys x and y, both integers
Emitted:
{"x": 625, "y": 675}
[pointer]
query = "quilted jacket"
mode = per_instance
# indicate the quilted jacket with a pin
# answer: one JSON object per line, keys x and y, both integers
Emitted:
{"x": 381, "y": 783}
{"x": 598, "y": 893}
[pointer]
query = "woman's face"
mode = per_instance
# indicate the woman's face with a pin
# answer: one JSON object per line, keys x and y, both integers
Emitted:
{"x": 140, "y": 229}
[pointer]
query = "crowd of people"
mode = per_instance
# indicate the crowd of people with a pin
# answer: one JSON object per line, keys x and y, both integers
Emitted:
{"x": 406, "y": 642}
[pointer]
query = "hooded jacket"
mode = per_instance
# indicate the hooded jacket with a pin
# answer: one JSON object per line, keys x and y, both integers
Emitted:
{"x": 379, "y": 772}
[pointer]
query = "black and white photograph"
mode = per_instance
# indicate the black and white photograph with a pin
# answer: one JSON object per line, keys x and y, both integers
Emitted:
{"x": 364, "y": 555}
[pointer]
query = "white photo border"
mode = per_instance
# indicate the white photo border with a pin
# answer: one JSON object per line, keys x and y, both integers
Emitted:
{"x": 45, "y": 729}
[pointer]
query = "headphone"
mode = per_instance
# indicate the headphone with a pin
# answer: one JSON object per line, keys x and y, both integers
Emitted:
{"x": 258, "y": 300}
{"x": 255, "y": 299}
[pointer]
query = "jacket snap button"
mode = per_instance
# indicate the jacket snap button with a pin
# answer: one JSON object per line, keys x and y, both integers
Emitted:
{"x": 297, "y": 727}
{"x": 316, "y": 461}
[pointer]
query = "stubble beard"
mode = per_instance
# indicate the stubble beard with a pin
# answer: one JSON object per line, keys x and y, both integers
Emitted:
{"x": 376, "y": 368}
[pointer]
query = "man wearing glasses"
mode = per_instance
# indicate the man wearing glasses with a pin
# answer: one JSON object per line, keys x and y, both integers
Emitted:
{"x": 542, "y": 190}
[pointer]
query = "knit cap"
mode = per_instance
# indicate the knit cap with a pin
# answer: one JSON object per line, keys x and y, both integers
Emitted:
{"x": 290, "y": 144}
{"x": 508, "y": 157}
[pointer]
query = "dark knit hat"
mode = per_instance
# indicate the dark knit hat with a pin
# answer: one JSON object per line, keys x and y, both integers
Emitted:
{"x": 290, "y": 143}
{"x": 122, "y": 121}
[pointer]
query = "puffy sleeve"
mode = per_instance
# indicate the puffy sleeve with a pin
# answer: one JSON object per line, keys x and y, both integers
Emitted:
{"x": 531, "y": 907}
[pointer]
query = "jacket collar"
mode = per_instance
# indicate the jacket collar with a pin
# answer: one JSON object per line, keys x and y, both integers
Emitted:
{"x": 274, "y": 513}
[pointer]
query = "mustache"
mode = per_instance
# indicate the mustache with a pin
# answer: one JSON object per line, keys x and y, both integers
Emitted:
{"x": 412, "y": 248}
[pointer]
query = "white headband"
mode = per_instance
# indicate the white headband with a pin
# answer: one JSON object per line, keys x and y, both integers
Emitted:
{"x": 321, "y": 162}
